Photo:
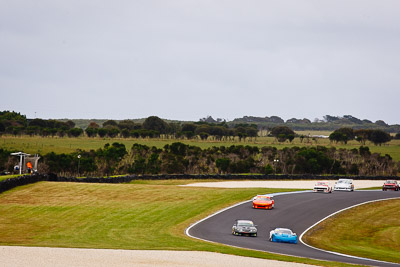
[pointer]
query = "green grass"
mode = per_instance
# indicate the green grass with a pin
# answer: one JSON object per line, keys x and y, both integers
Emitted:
{"x": 141, "y": 215}
{"x": 42, "y": 145}
{"x": 370, "y": 230}
{"x": 5, "y": 177}
{"x": 371, "y": 188}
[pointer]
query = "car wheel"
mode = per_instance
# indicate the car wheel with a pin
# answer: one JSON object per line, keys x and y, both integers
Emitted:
{"x": 270, "y": 239}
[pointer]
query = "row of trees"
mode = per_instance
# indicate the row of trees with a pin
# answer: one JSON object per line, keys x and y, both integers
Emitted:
{"x": 17, "y": 124}
{"x": 156, "y": 127}
{"x": 343, "y": 135}
{"x": 179, "y": 158}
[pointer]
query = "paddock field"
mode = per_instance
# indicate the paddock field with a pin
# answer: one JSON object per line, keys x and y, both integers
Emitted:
{"x": 44, "y": 145}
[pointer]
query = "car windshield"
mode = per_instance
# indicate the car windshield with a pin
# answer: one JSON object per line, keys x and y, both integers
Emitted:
{"x": 245, "y": 223}
{"x": 263, "y": 198}
{"x": 344, "y": 181}
{"x": 321, "y": 183}
{"x": 284, "y": 231}
{"x": 390, "y": 182}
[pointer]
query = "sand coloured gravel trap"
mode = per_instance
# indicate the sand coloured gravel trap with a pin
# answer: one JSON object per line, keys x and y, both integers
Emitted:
{"x": 296, "y": 184}
{"x": 57, "y": 257}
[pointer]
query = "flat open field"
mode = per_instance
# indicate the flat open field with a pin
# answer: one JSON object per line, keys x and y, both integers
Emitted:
{"x": 43, "y": 145}
{"x": 370, "y": 230}
{"x": 146, "y": 216}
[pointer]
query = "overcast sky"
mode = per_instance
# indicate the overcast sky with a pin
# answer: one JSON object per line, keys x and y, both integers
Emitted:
{"x": 188, "y": 59}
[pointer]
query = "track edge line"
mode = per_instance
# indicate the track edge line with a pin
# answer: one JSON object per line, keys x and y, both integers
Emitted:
{"x": 337, "y": 253}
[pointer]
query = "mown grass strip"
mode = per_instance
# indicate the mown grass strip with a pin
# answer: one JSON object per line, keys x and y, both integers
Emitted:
{"x": 142, "y": 215}
{"x": 371, "y": 231}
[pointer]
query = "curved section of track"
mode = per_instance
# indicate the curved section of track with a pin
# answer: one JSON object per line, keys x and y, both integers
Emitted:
{"x": 295, "y": 211}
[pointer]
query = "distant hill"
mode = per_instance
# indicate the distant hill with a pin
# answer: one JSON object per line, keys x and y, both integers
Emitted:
{"x": 12, "y": 121}
{"x": 329, "y": 123}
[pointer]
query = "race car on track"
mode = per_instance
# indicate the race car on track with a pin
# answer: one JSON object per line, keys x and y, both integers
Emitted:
{"x": 283, "y": 235}
{"x": 244, "y": 227}
{"x": 322, "y": 187}
{"x": 263, "y": 202}
{"x": 390, "y": 185}
{"x": 344, "y": 185}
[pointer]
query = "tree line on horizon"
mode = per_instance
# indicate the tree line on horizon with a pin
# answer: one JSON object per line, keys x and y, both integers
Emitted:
{"x": 328, "y": 123}
{"x": 154, "y": 127}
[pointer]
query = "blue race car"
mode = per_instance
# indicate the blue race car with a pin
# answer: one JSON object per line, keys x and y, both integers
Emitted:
{"x": 283, "y": 235}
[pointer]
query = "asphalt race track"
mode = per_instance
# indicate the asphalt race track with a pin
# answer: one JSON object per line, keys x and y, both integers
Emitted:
{"x": 294, "y": 211}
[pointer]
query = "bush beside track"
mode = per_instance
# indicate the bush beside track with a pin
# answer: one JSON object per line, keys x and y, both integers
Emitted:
{"x": 29, "y": 179}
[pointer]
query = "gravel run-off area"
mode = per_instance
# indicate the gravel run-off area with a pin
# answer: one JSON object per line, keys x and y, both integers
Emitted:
{"x": 62, "y": 257}
{"x": 293, "y": 184}
{"x": 14, "y": 256}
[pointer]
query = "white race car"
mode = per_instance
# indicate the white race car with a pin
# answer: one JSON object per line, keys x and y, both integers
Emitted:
{"x": 322, "y": 187}
{"x": 344, "y": 185}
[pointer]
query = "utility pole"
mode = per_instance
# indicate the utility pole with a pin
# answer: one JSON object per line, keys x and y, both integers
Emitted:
{"x": 79, "y": 161}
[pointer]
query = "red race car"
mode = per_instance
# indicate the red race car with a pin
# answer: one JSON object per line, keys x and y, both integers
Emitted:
{"x": 263, "y": 202}
{"x": 390, "y": 185}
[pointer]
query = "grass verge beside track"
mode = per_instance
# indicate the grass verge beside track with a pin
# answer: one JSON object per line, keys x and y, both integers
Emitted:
{"x": 371, "y": 230}
{"x": 150, "y": 215}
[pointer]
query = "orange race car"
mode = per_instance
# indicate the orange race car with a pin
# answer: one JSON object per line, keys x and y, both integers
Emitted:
{"x": 263, "y": 202}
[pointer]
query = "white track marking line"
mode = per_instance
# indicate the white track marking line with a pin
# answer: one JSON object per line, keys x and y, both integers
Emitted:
{"x": 300, "y": 238}
{"x": 220, "y": 211}
{"x": 341, "y": 254}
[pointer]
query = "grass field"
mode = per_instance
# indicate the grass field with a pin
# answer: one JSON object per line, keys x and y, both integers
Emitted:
{"x": 371, "y": 230}
{"x": 5, "y": 177}
{"x": 68, "y": 145}
{"x": 140, "y": 215}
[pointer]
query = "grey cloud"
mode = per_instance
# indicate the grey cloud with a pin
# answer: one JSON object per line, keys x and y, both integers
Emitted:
{"x": 187, "y": 59}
